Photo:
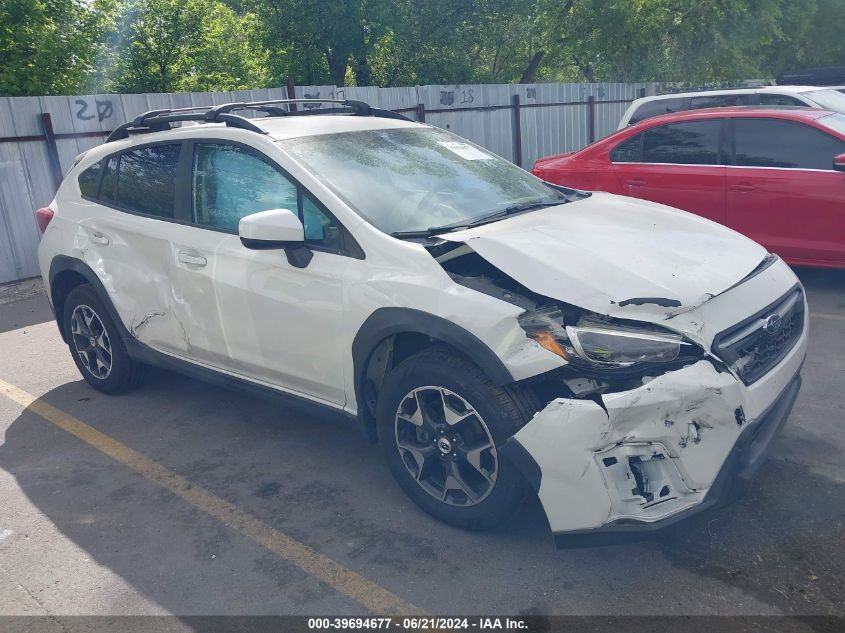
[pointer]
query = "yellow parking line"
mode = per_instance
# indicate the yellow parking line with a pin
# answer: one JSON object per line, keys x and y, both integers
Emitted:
{"x": 824, "y": 315}
{"x": 375, "y": 598}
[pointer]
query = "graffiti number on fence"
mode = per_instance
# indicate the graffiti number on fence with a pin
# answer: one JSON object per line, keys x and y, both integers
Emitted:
{"x": 447, "y": 97}
{"x": 104, "y": 110}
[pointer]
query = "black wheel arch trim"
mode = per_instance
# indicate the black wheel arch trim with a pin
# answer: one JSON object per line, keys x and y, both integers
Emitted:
{"x": 65, "y": 263}
{"x": 386, "y": 322}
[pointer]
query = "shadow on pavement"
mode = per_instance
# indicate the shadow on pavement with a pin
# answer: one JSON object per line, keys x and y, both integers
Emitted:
{"x": 24, "y": 313}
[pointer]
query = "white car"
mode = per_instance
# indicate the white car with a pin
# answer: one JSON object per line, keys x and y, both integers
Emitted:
{"x": 826, "y": 98}
{"x": 627, "y": 362}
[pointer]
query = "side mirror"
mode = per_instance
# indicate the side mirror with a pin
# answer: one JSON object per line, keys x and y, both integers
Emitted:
{"x": 276, "y": 229}
{"x": 839, "y": 162}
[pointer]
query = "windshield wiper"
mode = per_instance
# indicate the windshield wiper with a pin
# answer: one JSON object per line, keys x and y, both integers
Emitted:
{"x": 484, "y": 219}
{"x": 430, "y": 232}
{"x": 513, "y": 210}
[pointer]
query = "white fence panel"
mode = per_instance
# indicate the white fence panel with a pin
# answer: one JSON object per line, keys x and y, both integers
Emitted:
{"x": 455, "y": 109}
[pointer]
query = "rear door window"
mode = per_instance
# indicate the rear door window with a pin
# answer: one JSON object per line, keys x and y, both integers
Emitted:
{"x": 144, "y": 180}
{"x": 657, "y": 107}
{"x": 785, "y": 144}
{"x": 687, "y": 143}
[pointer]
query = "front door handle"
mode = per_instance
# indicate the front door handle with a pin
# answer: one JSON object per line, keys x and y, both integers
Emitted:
{"x": 198, "y": 261}
{"x": 742, "y": 187}
{"x": 98, "y": 238}
{"x": 636, "y": 182}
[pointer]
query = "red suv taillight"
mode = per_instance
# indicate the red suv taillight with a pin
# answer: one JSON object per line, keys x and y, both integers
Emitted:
{"x": 43, "y": 217}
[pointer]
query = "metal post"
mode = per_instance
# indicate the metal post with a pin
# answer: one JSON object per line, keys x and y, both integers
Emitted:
{"x": 291, "y": 94}
{"x": 421, "y": 112}
{"x": 52, "y": 148}
{"x": 517, "y": 132}
{"x": 591, "y": 118}
{"x": 641, "y": 93}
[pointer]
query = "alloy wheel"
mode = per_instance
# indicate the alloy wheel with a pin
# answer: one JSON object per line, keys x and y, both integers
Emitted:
{"x": 446, "y": 446}
{"x": 91, "y": 341}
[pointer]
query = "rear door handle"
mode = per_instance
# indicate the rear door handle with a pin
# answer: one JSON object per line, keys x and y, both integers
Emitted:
{"x": 197, "y": 261}
{"x": 98, "y": 238}
{"x": 742, "y": 187}
{"x": 636, "y": 182}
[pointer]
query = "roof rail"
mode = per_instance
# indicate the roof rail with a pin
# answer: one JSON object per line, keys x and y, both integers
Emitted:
{"x": 159, "y": 120}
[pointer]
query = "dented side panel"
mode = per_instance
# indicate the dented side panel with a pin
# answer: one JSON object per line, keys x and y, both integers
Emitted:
{"x": 130, "y": 255}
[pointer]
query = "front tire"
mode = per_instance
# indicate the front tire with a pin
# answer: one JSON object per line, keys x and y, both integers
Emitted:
{"x": 96, "y": 344}
{"x": 441, "y": 421}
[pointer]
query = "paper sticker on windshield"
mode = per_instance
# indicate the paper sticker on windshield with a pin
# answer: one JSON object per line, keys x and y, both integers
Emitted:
{"x": 465, "y": 150}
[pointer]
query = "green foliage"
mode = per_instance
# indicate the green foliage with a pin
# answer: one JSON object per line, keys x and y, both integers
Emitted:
{"x": 48, "y": 46}
{"x": 184, "y": 45}
{"x": 67, "y": 46}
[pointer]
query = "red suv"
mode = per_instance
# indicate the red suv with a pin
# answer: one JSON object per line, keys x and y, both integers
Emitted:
{"x": 775, "y": 175}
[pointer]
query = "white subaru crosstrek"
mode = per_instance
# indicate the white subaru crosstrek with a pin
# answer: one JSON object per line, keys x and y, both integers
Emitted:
{"x": 627, "y": 362}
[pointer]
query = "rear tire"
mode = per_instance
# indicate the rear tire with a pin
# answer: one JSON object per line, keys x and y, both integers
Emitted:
{"x": 96, "y": 344}
{"x": 441, "y": 421}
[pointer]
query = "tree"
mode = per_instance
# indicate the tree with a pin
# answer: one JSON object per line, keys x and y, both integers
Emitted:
{"x": 49, "y": 46}
{"x": 318, "y": 38}
{"x": 173, "y": 45}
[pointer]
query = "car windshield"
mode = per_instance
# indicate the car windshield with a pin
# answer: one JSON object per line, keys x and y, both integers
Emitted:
{"x": 411, "y": 179}
{"x": 835, "y": 122}
{"x": 828, "y": 99}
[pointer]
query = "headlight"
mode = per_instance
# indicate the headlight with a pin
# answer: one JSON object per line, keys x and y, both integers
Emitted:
{"x": 601, "y": 344}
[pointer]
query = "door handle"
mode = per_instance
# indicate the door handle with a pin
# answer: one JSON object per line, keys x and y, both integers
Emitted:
{"x": 742, "y": 187}
{"x": 192, "y": 260}
{"x": 98, "y": 238}
{"x": 636, "y": 182}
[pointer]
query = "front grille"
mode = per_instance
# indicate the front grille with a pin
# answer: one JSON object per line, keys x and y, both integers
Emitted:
{"x": 758, "y": 343}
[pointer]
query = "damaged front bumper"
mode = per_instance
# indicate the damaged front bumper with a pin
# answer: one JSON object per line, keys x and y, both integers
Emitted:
{"x": 654, "y": 455}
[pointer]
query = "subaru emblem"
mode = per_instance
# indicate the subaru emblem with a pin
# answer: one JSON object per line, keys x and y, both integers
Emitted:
{"x": 772, "y": 324}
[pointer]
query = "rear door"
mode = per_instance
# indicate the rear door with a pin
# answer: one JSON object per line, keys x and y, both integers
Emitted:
{"x": 127, "y": 212}
{"x": 782, "y": 190}
{"x": 678, "y": 164}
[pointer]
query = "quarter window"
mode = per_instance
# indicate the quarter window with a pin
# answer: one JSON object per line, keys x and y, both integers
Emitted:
{"x": 629, "y": 151}
{"x": 88, "y": 180}
{"x": 655, "y": 108}
{"x": 230, "y": 183}
{"x": 772, "y": 143}
{"x": 688, "y": 143}
{"x": 145, "y": 180}
{"x": 107, "y": 188}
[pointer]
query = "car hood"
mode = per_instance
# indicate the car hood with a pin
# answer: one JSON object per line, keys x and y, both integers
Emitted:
{"x": 617, "y": 256}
